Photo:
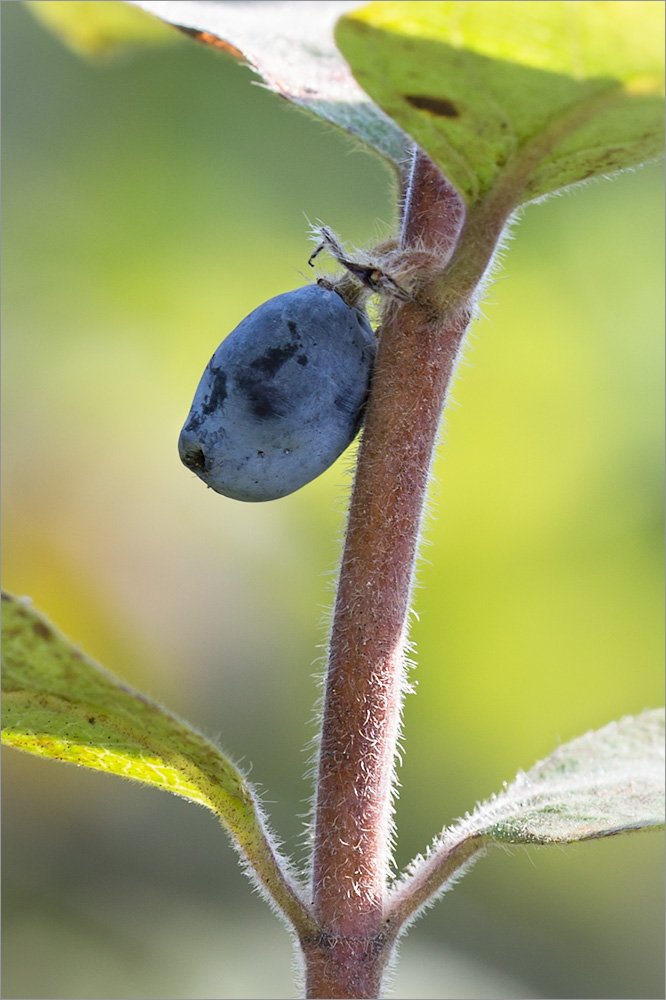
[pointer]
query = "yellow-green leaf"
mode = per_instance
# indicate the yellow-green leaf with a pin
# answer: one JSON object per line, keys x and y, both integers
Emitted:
{"x": 533, "y": 95}
{"x": 100, "y": 27}
{"x": 58, "y": 703}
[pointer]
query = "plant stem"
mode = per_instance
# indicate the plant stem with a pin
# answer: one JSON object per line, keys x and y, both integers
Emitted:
{"x": 447, "y": 250}
{"x": 366, "y": 668}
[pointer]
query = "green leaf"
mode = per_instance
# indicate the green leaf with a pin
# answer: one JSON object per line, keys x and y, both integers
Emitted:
{"x": 606, "y": 782}
{"x": 290, "y": 46}
{"x": 100, "y": 28}
{"x": 58, "y": 703}
{"x": 529, "y": 96}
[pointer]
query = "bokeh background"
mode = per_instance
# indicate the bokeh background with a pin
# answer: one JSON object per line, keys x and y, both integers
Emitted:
{"x": 148, "y": 205}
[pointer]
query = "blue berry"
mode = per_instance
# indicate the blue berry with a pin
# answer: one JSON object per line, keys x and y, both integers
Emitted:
{"x": 282, "y": 397}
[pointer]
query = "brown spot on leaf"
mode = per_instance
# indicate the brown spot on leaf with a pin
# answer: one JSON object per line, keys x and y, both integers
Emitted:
{"x": 208, "y": 38}
{"x": 40, "y": 629}
{"x": 434, "y": 105}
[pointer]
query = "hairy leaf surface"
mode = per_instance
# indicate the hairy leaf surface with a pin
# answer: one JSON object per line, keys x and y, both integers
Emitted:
{"x": 606, "y": 782}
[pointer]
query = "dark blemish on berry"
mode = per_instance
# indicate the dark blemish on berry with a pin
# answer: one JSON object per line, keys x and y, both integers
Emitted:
{"x": 269, "y": 364}
{"x": 344, "y": 403}
{"x": 218, "y": 393}
{"x": 194, "y": 422}
{"x": 293, "y": 329}
{"x": 434, "y": 105}
{"x": 92, "y": 721}
{"x": 302, "y": 359}
{"x": 266, "y": 401}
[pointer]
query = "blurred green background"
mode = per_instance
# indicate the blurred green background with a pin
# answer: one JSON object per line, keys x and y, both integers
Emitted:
{"x": 149, "y": 204}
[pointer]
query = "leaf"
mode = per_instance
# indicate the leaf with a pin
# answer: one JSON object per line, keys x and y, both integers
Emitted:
{"x": 606, "y": 782}
{"x": 100, "y": 27}
{"x": 290, "y": 45}
{"x": 534, "y": 96}
{"x": 58, "y": 703}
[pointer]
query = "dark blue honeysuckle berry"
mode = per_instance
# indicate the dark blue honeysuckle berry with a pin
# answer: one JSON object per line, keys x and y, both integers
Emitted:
{"x": 282, "y": 397}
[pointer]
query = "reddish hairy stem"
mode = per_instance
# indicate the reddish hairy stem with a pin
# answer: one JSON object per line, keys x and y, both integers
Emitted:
{"x": 433, "y": 212}
{"x": 365, "y": 673}
{"x": 365, "y": 677}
